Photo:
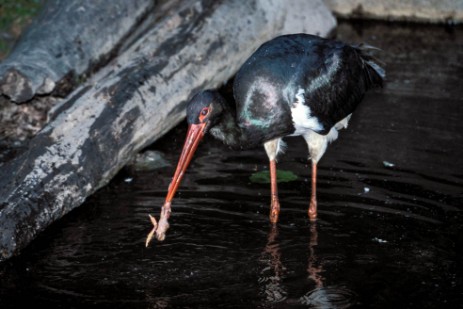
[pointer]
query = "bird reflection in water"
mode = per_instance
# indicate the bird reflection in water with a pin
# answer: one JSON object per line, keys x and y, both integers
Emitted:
{"x": 319, "y": 296}
{"x": 273, "y": 274}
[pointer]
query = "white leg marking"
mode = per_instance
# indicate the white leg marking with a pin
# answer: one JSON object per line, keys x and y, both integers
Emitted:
{"x": 318, "y": 143}
{"x": 274, "y": 147}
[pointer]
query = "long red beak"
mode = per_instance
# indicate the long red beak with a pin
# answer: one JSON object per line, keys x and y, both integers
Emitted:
{"x": 194, "y": 136}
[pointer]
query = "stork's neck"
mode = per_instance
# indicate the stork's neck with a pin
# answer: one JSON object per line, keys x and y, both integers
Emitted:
{"x": 227, "y": 129}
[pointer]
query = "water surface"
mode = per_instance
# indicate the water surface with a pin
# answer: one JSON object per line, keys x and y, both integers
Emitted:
{"x": 390, "y": 211}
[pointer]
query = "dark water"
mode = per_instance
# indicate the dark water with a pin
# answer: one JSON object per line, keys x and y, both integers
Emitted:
{"x": 390, "y": 211}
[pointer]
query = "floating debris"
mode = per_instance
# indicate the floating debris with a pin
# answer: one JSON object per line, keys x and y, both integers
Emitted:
{"x": 379, "y": 240}
{"x": 366, "y": 190}
{"x": 388, "y": 164}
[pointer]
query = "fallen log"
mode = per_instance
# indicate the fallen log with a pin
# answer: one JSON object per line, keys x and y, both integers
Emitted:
{"x": 133, "y": 101}
{"x": 66, "y": 40}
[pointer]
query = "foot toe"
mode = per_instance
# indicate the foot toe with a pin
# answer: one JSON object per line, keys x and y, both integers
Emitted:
{"x": 160, "y": 236}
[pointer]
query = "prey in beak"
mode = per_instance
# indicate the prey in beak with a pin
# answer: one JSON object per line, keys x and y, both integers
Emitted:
{"x": 194, "y": 136}
{"x": 198, "y": 113}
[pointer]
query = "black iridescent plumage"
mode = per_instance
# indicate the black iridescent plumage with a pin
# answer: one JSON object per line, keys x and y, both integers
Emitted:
{"x": 334, "y": 75}
{"x": 296, "y": 84}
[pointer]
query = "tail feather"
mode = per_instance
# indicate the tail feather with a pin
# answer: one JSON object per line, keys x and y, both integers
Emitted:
{"x": 374, "y": 73}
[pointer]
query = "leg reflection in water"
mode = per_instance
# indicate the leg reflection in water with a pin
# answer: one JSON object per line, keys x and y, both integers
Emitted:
{"x": 273, "y": 272}
{"x": 323, "y": 296}
{"x": 314, "y": 267}
{"x": 272, "y": 275}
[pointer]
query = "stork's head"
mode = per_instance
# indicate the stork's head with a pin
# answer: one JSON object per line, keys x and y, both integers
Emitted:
{"x": 203, "y": 112}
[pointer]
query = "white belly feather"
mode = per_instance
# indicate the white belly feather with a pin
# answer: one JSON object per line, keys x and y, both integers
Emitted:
{"x": 303, "y": 120}
{"x": 306, "y": 125}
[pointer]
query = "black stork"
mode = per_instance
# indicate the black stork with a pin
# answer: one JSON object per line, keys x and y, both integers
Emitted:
{"x": 293, "y": 85}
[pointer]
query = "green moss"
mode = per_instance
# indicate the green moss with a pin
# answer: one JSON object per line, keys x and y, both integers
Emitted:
{"x": 14, "y": 16}
{"x": 264, "y": 176}
{"x": 17, "y": 11}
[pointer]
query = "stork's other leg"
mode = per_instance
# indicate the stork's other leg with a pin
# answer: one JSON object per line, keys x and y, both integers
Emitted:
{"x": 272, "y": 148}
{"x": 275, "y": 203}
{"x": 313, "y": 196}
{"x": 317, "y": 146}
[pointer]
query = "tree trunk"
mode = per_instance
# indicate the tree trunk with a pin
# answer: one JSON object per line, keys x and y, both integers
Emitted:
{"x": 134, "y": 100}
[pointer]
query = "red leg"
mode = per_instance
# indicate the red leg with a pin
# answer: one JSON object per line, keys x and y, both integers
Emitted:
{"x": 313, "y": 197}
{"x": 275, "y": 206}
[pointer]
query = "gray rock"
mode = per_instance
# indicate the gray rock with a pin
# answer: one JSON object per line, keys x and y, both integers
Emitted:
{"x": 436, "y": 11}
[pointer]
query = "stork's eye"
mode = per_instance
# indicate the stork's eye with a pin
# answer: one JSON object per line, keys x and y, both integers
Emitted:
{"x": 204, "y": 112}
